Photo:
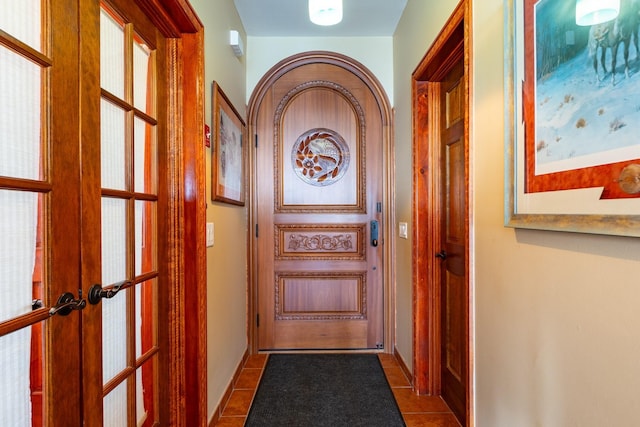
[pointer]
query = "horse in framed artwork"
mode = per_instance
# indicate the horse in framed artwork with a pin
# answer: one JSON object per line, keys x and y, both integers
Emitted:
{"x": 611, "y": 35}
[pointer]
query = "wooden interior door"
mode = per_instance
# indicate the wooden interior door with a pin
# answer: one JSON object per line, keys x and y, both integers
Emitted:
{"x": 126, "y": 196}
{"x": 318, "y": 194}
{"x": 39, "y": 213}
{"x": 454, "y": 289}
{"x": 82, "y": 204}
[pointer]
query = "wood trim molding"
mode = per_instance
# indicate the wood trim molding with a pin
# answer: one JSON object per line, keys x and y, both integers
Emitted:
{"x": 185, "y": 339}
{"x": 172, "y": 17}
{"x": 195, "y": 301}
{"x": 217, "y": 413}
{"x": 452, "y": 43}
{"x": 402, "y": 364}
{"x": 174, "y": 340}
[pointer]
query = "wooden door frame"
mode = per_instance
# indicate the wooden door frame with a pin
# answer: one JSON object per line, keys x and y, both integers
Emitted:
{"x": 451, "y": 45}
{"x": 388, "y": 208}
{"x": 183, "y": 335}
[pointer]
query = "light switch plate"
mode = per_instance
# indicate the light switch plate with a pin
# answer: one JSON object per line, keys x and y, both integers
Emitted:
{"x": 402, "y": 229}
{"x": 209, "y": 234}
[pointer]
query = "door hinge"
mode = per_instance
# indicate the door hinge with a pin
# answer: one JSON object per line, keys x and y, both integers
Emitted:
{"x": 256, "y": 231}
{"x": 257, "y": 320}
{"x": 379, "y": 207}
{"x": 256, "y": 140}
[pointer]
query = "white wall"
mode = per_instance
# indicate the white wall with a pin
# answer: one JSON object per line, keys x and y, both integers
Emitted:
{"x": 375, "y": 53}
{"x": 227, "y": 259}
{"x": 557, "y": 321}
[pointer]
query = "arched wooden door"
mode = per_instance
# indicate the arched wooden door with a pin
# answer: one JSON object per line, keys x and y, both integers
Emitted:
{"x": 319, "y": 209}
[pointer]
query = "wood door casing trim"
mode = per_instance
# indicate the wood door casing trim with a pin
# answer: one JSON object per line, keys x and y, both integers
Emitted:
{"x": 452, "y": 44}
{"x": 386, "y": 116}
{"x": 194, "y": 307}
{"x": 183, "y": 336}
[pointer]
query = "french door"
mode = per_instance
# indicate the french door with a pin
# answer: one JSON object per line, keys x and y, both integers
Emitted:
{"x": 80, "y": 202}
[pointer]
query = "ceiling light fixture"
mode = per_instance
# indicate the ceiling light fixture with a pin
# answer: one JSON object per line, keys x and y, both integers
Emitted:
{"x": 325, "y": 12}
{"x": 592, "y": 12}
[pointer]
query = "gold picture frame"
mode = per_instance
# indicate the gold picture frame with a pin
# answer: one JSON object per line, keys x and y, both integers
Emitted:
{"x": 228, "y": 156}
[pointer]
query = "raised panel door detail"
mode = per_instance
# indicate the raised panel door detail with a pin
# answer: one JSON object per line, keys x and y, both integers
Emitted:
{"x": 454, "y": 105}
{"x": 308, "y": 241}
{"x": 454, "y": 327}
{"x": 456, "y": 190}
{"x": 321, "y": 296}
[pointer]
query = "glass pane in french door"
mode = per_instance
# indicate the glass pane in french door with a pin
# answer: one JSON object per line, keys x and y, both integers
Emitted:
{"x": 129, "y": 222}
{"x": 114, "y": 270}
{"x": 22, "y": 20}
{"x": 116, "y": 401}
{"x": 112, "y": 55}
{"x": 24, "y": 190}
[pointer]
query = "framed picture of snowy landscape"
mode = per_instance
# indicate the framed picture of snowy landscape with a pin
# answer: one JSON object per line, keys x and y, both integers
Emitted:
{"x": 572, "y": 112}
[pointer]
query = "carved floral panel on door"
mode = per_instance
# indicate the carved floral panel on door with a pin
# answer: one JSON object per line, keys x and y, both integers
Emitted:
{"x": 309, "y": 241}
{"x": 320, "y": 157}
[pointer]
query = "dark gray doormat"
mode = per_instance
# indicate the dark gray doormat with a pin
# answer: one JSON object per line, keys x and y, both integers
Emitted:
{"x": 324, "y": 390}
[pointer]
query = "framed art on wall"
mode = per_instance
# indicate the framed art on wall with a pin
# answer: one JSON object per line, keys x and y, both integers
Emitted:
{"x": 229, "y": 150}
{"x": 572, "y": 154}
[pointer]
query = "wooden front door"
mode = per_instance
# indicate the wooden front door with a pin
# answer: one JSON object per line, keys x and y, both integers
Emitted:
{"x": 454, "y": 294}
{"x": 319, "y": 212}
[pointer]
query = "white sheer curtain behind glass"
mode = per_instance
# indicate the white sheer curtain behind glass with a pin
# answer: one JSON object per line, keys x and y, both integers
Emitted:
{"x": 112, "y": 146}
{"x": 141, "y": 56}
{"x": 21, "y": 19}
{"x": 20, "y": 86}
{"x": 18, "y": 220}
{"x": 115, "y": 405}
{"x": 139, "y": 136}
{"x": 114, "y": 311}
{"x": 114, "y": 269}
{"x": 111, "y": 55}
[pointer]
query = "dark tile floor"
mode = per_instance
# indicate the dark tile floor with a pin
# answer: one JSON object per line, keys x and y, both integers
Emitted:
{"x": 417, "y": 411}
